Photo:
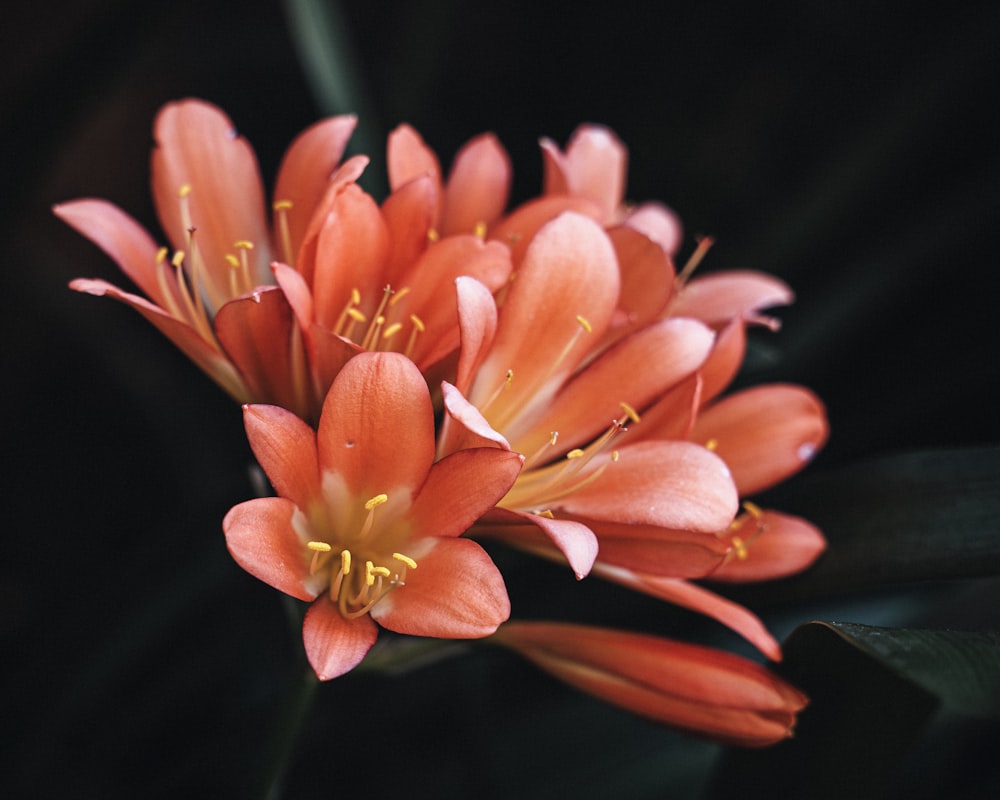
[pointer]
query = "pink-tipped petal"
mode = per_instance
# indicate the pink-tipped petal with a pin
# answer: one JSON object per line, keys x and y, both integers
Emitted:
{"x": 594, "y": 166}
{"x": 334, "y": 644}
{"x": 464, "y": 426}
{"x": 544, "y": 536}
{"x": 659, "y": 223}
{"x": 456, "y": 592}
{"x": 777, "y": 545}
{"x": 263, "y": 539}
{"x": 477, "y": 324}
{"x": 765, "y": 433}
{"x": 735, "y": 294}
{"x": 377, "y": 408}
{"x": 478, "y": 185}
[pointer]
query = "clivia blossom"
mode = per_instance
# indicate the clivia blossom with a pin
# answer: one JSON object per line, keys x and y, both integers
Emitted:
{"x": 366, "y": 524}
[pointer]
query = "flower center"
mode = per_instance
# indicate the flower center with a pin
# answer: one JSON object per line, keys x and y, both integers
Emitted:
{"x": 379, "y": 331}
{"x": 359, "y": 575}
{"x": 744, "y": 531}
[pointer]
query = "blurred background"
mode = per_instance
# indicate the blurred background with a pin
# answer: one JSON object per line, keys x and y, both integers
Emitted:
{"x": 849, "y": 149}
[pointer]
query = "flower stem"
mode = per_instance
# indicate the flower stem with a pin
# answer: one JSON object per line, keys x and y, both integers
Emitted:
{"x": 285, "y": 734}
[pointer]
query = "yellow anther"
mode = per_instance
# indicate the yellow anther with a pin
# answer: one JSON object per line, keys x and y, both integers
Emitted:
{"x": 185, "y": 190}
{"x": 233, "y": 261}
{"x": 417, "y": 322}
{"x": 584, "y": 323}
{"x": 753, "y": 509}
{"x": 319, "y": 547}
{"x": 383, "y": 571}
{"x": 553, "y": 438}
{"x": 480, "y": 230}
{"x": 546, "y": 513}
{"x": 356, "y": 315}
{"x": 376, "y": 501}
{"x": 178, "y": 258}
{"x": 399, "y": 295}
{"x": 161, "y": 255}
{"x": 243, "y": 244}
{"x": 405, "y": 559}
{"x": 392, "y": 330}
{"x": 345, "y": 561}
{"x": 432, "y": 235}
{"x": 509, "y": 379}
{"x": 576, "y": 453}
{"x": 355, "y": 296}
{"x": 739, "y": 546}
{"x": 614, "y": 456}
{"x": 712, "y": 445}
{"x": 630, "y": 412}
{"x": 282, "y": 205}
{"x": 369, "y": 573}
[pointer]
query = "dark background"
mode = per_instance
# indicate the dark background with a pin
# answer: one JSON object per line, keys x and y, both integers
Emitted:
{"x": 848, "y": 148}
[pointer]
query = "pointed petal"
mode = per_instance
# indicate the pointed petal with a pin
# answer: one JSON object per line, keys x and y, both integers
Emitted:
{"x": 697, "y": 598}
{"x": 784, "y": 546}
{"x": 594, "y": 166}
{"x": 198, "y": 146}
{"x": 765, "y": 433}
{"x": 304, "y": 175}
{"x": 262, "y": 537}
{"x": 409, "y": 215}
{"x": 461, "y": 488}
{"x": 478, "y": 185}
{"x": 669, "y": 484}
{"x": 335, "y": 645}
{"x": 456, "y": 592}
{"x": 636, "y": 370}
{"x": 659, "y": 223}
{"x": 204, "y": 353}
{"x": 699, "y": 689}
{"x": 118, "y": 235}
{"x": 734, "y": 294}
{"x": 257, "y": 332}
{"x": 409, "y": 158}
{"x": 285, "y": 448}
{"x": 543, "y": 536}
{"x": 518, "y": 228}
{"x": 569, "y": 271}
{"x": 377, "y": 426}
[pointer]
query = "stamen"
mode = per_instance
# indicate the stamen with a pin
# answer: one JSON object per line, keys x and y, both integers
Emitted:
{"x": 712, "y": 445}
{"x": 480, "y": 229}
{"x": 630, "y": 412}
{"x": 584, "y": 324}
{"x": 282, "y": 207}
{"x": 345, "y": 562}
{"x": 392, "y": 330}
{"x": 508, "y": 379}
{"x": 376, "y": 501}
{"x": 399, "y": 295}
{"x": 405, "y": 559}
{"x": 704, "y": 244}
{"x": 370, "y": 507}
{"x": 418, "y": 328}
{"x": 432, "y": 235}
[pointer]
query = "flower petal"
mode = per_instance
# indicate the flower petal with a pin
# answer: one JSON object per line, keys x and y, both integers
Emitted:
{"x": 262, "y": 538}
{"x": 478, "y": 185}
{"x": 785, "y": 546}
{"x": 543, "y": 536}
{"x": 765, "y": 433}
{"x": 304, "y": 175}
{"x": 594, "y": 166}
{"x": 335, "y": 644}
{"x": 647, "y": 276}
{"x": 285, "y": 448}
{"x": 408, "y": 158}
{"x": 377, "y": 426}
{"x": 464, "y": 427}
{"x": 477, "y": 323}
{"x": 518, "y": 228}
{"x": 669, "y": 484}
{"x": 198, "y": 147}
{"x": 456, "y": 592}
{"x": 718, "y": 298}
{"x": 659, "y": 223}
{"x": 409, "y": 216}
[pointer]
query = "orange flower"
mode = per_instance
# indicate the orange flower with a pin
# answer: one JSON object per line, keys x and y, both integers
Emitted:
{"x": 366, "y": 525}
{"x": 697, "y": 689}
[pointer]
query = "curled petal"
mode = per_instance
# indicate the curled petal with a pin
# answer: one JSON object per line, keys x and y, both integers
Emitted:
{"x": 765, "y": 433}
{"x": 478, "y": 185}
{"x": 464, "y": 426}
{"x": 261, "y": 536}
{"x": 335, "y": 644}
{"x": 777, "y": 545}
{"x": 573, "y": 540}
{"x": 705, "y": 691}
{"x": 734, "y": 294}
{"x": 456, "y": 592}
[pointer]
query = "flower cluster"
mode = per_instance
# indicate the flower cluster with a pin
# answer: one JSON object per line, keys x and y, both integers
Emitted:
{"x": 577, "y": 378}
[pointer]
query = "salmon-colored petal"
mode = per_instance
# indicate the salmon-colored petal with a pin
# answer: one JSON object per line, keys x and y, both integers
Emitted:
{"x": 699, "y": 689}
{"x": 262, "y": 538}
{"x": 697, "y": 598}
{"x": 456, "y": 592}
{"x": 297, "y": 292}
{"x": 478, "y": 185}
{"x": 198, "y": 147}
{"x": 659, "y": 223}
{"x": 377, "y": 426}
{"x": 669, "y": 484}
{"x": 594, "y": 166}
{"x": 647, "y": 281}
{"x": 258, "y": 334}
{"x": 461, "y": 488}
{"x": 409, "y": 216}
{"x": 431, "y": 297}
{"x": 548, "y": 537}
{"x": 519, "y": 227}
{"x": 777, "y": 545}
{"x": 351, "y": 250}
{"x": 408, "y": 158}
{"x": 464, "y": 426}
{"x": 203, "y": 352}
{"x": 765, "y": 433}
{"x": 634, "y": 371}
{"x": 303, "y": 177}
{"x": 335, "y": 644}
{"x": 723, "y": 363}
{"x": 734, "y": 294}
{"x": 673, "y": 415}
{"x": 569, "y": 273}
{"x": 477, "y": 324}
{"x": 121, "y": 237}
{"x": 285, "y": 448}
